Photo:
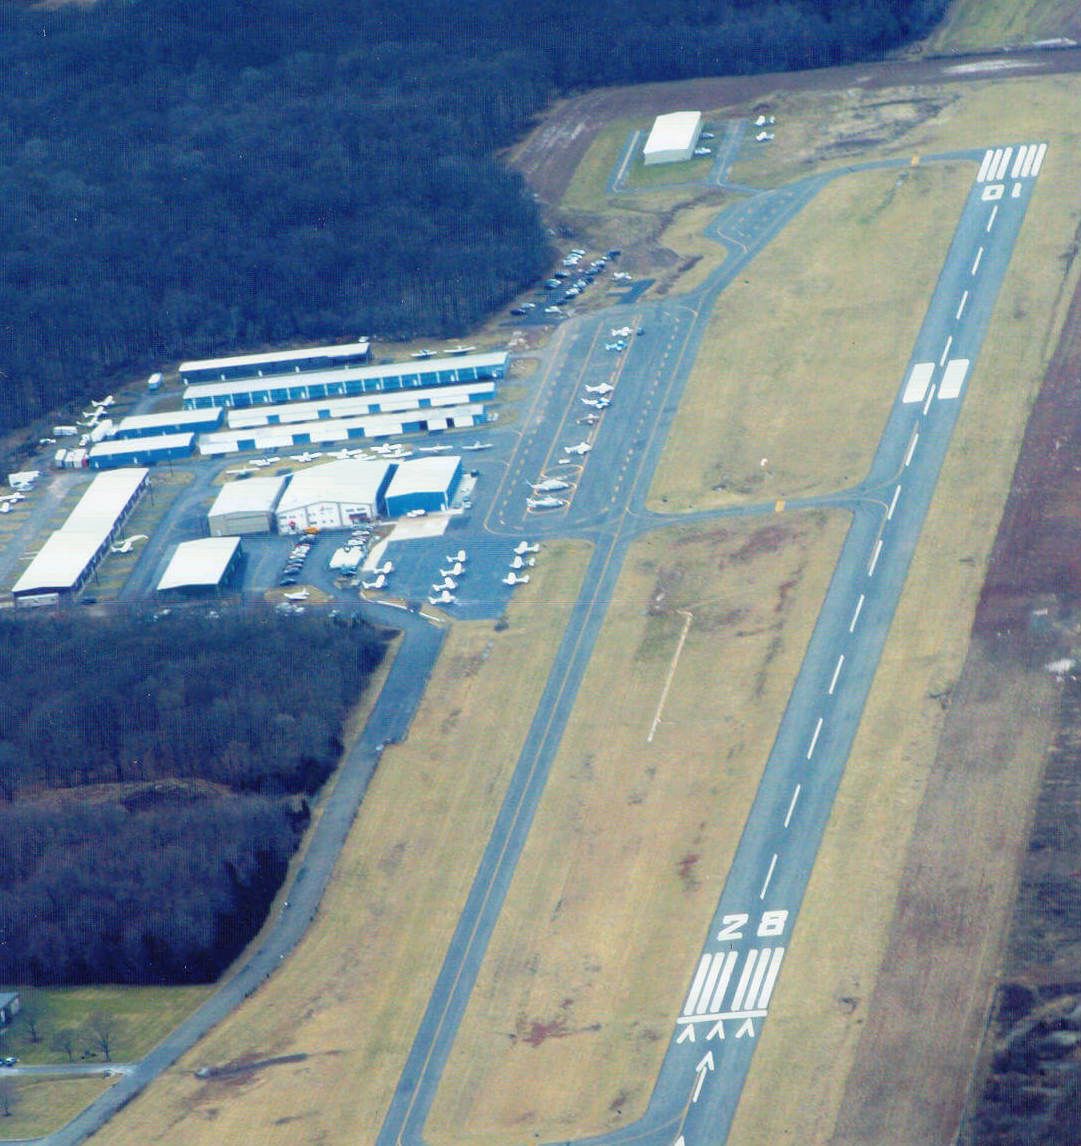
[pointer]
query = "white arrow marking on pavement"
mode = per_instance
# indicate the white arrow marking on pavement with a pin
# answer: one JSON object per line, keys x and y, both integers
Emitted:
{"x": 686, "y": 1033}
{"x": 716, "y": 1031}
{"x": 746, "y": 1029}
{"x": 703, "y": 1067}
{"x": 679, "y": 1141}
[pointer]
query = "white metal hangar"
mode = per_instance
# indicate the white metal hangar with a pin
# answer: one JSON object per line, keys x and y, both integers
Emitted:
{"x": 274, "y": 362}
{"x": 169, "y": 422}
{"x": 333, "y": 496}
{"x": 346, "y": 382}
{"x": 673, "y": 137}
{"x": 205, "y": 565}
{"x": 426, "y": 484}
{"x": 245, "y": 506}
{"x": 69, "y": 557}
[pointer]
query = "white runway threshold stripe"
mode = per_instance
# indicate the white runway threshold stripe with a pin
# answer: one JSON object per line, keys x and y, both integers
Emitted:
{"x": 918, "y": 381}
{"x": 953, "y": 379}
{"x": 985, "y": 166}
{"x": 753, "y": 990}
{"x": 1019, "y": 162}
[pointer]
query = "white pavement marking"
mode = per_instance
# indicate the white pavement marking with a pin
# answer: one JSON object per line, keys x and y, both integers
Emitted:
{"x": 912, "y": 446}
{"x": 961, "y": 305}
{"x": 711, "y": 980}
{"x": 874, "y": 558}
{"x": 722, "y": 983}
{"x": 745, "y": 976}
{"x": 1004, "y": 162}
{"x": 765, "y": 882}
{"x": 856, "y": 615}
{"x": 1015, "y": 193}
{"x": 918, "y": 382}
{"x": 771, "y": 978}
{"x": 953, "y": 378}
{"x": 791, "y": 806}
{"x": 814, "y": 738}
{"x": 930, "y": 398}
{"x": 1022, "y": 152}
{"x": 691, "y": 1004}
{"x": 996, "y": 155}
{"x": 755, "y": 984}
{"x": 893, "y": 503}
{"x": 985, "y": 166}
{"x": 671, "y": 675}
{"x": 1040, "y": 152}
{"x": 946, "y": 350}
{"x": 976, "y": 264}
{"x": 991, "y": 220}
{"x": 836, "y": 673}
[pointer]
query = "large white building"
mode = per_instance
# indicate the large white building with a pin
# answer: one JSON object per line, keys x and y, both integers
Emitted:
{"x": 206, "y": 564}
{"x": 245, "y": 506}
{"x": 673, "y": 137}
{"x": 333, "y": 496}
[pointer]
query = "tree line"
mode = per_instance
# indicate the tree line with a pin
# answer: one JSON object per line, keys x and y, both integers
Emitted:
{"x": 156, "y": 780}
{"x": 185, "y": 179}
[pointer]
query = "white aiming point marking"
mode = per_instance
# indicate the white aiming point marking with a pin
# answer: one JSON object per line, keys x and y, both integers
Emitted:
{"x": 953, "y": 378}
{"x": 918, "y": 381}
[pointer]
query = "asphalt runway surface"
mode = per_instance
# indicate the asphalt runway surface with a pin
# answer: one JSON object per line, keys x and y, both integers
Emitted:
{"x": 742, "y": 956}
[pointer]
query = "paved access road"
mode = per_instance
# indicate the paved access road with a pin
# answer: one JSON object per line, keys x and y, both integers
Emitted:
{"x": 740, "y": 965}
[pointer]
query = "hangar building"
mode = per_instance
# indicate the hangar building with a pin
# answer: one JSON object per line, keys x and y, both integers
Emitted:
{"x": 333, "y": 496}
{"x": 275, "y": 362}
{"x": 673, "y": 137}
{"x": 140, "y": 451}
{"x": 169, "y": 422}
{"x": 423, "y": 483}
{"x": 69, "y": 556}
{"x": 245, "y": 506}
{"x": 346, "y": 382}
{"x": 203, "y": 566}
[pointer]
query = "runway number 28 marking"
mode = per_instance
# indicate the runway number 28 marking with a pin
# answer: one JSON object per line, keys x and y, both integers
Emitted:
{"x": 770, "y": 924}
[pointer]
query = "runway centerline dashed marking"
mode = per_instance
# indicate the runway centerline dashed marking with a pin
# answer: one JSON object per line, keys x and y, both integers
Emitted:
{"x": 814, "y": 739}
{"x": 792, "y": 806}
{"x": 893, "y": 502}
{"x": 769, "y": 876}
{"x": 976, "y": 261}
{"x": 856, "y": 615}
{"x": 929, "y": 399}
{"x": 961, "y": 305}
{"x": 836, "y": 674}
{"x": 912, "y": 446}
{"x": 874, "y": 558}
{"x": 946, "y": 350}
{"x": 994, "y": 214}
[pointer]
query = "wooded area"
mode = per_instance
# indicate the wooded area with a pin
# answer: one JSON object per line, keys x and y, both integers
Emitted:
{"x": 157, "y": 785}
{"x": 185, "y": 179}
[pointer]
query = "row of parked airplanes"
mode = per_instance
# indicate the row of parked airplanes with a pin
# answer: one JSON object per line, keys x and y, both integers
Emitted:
{"x": 393, "y": 452}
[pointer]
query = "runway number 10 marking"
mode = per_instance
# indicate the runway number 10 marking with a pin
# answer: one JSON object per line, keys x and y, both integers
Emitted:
{"x": 770, "y": 924}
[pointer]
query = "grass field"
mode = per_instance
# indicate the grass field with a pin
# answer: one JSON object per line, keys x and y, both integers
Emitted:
{"x": 349, "y": 1000}
{"x": 843, "y": 929}
{"x": 44, "y": 1105}
{"x": 803, "y": 355}
{"x": 621, "y": 873}
{"x": 975, "y": 25}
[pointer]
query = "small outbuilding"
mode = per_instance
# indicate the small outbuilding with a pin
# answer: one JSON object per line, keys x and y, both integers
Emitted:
{"x": 245, "y": 506}
{"x": 426, "y": 484}
{"x": 673, "y": 137}
{"x": 206, "y": 565}
{"x": 10, "y": 1006}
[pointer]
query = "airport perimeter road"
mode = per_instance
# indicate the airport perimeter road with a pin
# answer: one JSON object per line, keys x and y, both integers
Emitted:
{"x": 389, "y": 721}
{"x": 741, "y": 964}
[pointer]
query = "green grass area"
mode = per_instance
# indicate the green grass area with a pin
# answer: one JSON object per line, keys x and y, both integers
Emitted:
{"x": 661, "y": 175}
{"x": 44, "y": 1105}
{"x": 976, "y": 25}
{"x": 140, "y": 1018}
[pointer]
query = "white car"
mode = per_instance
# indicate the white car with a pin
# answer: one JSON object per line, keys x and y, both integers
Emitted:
{"x": 416, "y": 513}
{"x": 702, "y": 151}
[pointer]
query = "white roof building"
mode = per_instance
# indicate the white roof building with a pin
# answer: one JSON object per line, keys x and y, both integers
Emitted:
{"x": 294, "y": 359}
{"x": 673, "y": 137}
{"x": 245, "y": 506}
{"x": 332, "y": 496}
{"x": 423, "y": 483}
{"x": 70, "y": 555}
{"x": 201, "y": 564}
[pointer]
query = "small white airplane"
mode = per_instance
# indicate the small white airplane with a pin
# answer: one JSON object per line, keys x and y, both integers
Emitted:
{"x": 549, "y": 485}
{"x": 341, "y": 455}
{"x": 444, "y": 598}
{"x": 613, "y": 346}
{"x": 622, "y": 276}
{"x": 512, "y": 580}
{"x": 235, "y": 472}
{"x": 386, "y": 568}
{"x": 125, "y": 545}
{"x": 424, "y": 354}
{"x": 12, "y": 497}
{"x": 460, "y": 557}
{"x": 525, "y": 547}
{"x": 307, "y": 456}
{"x": 602, "y": 389}
{"x": 520, "y": 562}
{"x": 446, "y": 583}
{"x": 545, "y": 502}
{"x": 622, "y": 332}
{"x": 763, "y": 137}
{"x": 433, "y": 449}
{"x": 589, "y": 420}
{"x": 456, "y": 570}
{"x": 5, "y": 507}
{"x": 299, "y": 595}
{"x": 478, "y": 446}
{"x": 106, "y": 402}
{"x": 581, "y": 449}
{"x": 461, "y": 349}
{"x": 259, "y": 463}
{"x": 378, "y": 583}
{"x": 597, "y": 403}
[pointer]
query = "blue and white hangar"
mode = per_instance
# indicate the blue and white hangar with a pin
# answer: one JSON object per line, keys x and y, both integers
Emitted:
{"x": 427, "y": 484}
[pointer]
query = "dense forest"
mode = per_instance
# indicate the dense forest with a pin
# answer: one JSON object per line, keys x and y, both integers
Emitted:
{"x": 181, "y": 179}
{"x": 155, "y": 790}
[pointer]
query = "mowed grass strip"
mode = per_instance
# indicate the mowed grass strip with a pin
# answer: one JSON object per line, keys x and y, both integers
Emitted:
{"x": 352, "y": 996}
{"x": 805, "y": 352}
{"x": 625, "y": 861}
{"x": 841, "y": 937}
{"x": 44, "y": 1105}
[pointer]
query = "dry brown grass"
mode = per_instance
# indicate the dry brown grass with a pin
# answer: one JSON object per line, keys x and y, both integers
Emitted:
{"x": 353, "y": 993}
{"x": 585, "y": 973}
